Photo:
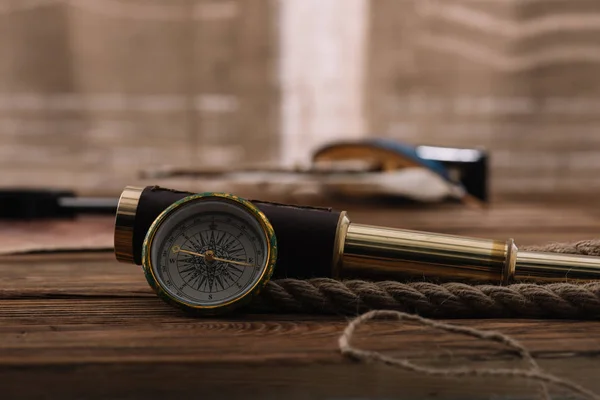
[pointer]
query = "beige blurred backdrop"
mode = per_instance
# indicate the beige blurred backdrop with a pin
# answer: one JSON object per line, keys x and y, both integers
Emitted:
{"x": 93, "y": 91}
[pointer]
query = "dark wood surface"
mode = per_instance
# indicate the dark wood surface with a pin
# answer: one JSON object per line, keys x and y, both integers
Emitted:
{"x": 82, "y": 325}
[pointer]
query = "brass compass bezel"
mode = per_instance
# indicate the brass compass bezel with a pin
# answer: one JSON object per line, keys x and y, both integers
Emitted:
{"x": 267, "y": 270}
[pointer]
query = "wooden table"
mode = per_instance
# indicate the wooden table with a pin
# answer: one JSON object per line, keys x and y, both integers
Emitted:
{"x": 82, "y": 325}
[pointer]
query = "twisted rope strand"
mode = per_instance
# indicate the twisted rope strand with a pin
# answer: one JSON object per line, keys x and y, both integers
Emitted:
{"x": 448, "y": 300}
{"x": 532, "y": 373}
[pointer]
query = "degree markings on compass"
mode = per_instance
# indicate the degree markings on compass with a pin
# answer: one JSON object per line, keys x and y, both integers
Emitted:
{"x": 236, "y": 250}
{"x": 189, "y": 277}
{"x": 189, "y": 268}
{"x": 202, "y": 240}
{"x": 191, "y": 242}
{"x": 185, "y": 236}
{"x": 201, "y": 281}
{"x": 237, "y": 269}
{"x": 227, "y": 275}
{"x": 228, "y": 242}
{"x": 194, "y": 280}
{"x": 211, "y": 281}
{"x": 211, "y": 241}
{"x": 197, "y": 244}
{"x": 220, "y": 238}
{"x": 219, "y": 282}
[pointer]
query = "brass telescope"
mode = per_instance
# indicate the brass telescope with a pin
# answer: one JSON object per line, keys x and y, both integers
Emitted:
{"x": 395, "y": 253}
{"x": 322, "y": 242}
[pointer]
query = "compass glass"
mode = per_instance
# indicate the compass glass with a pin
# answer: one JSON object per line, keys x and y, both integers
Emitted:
{"x": 210, "y": 251}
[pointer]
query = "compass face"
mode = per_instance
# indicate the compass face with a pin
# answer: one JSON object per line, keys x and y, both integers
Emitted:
{"x": 209, "y": 252}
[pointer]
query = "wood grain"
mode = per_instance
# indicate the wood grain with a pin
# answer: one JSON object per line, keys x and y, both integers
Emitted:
{"x": 82, "y": 325}
{"x": 528, "y": 222}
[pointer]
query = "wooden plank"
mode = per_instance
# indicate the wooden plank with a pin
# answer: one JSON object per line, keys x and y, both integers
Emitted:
{"x": 85, "y": 326}
{"x": 128, "y": 345}
{"x": 72, "y": 275}
{"x": 80, "y": 331}
{"x": 275, "y": 381}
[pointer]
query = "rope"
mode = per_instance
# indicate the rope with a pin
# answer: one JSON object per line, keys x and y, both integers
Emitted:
{"x": 532, "y": 373}
{"x": 447, "y": 300}
{"x": 401, "y": 301}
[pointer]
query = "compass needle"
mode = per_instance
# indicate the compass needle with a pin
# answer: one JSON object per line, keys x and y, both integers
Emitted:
{"x": 210, "y": 257}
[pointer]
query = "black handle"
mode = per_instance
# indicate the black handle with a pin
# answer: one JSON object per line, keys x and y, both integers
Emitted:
{"x": 30, "y": 204}
{"x": 33, "y": 204}
{"x": 305, "y": 235}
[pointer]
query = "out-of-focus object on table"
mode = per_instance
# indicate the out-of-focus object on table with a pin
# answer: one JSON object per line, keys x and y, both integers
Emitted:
{"x": 462, "y": 171}
{"x": 365, "y": 170}
{"x": 35, "y": 204}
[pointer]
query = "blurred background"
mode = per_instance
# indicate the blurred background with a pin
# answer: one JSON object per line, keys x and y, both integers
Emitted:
{"x": 94, "y": 91}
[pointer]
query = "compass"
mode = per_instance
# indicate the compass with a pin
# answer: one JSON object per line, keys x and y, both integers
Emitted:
{"x": 209, "y": 252}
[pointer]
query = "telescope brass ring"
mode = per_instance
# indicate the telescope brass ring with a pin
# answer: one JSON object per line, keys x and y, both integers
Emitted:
{"x": 508, "y": 271}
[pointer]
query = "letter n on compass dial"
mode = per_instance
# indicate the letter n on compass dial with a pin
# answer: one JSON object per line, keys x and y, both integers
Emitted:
{"x": 210, "y": 253}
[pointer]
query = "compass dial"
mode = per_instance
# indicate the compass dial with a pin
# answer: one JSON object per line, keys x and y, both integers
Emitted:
{"x": 209, "y": 252}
